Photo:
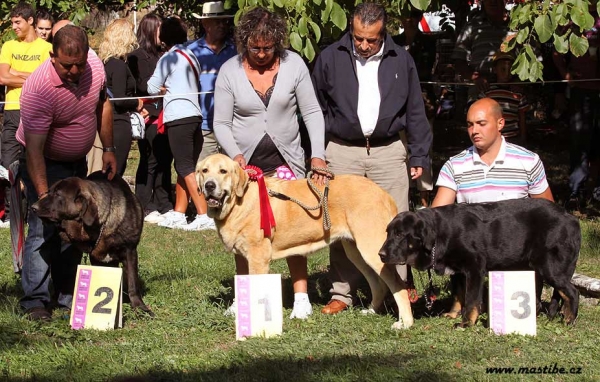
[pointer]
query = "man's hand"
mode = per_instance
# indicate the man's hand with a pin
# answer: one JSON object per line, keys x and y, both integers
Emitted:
{"x": 416, "y": 172}
{"x": 240, "y": 160}
{"x": 319, "y": 176}
{"x": 109, "y": 164}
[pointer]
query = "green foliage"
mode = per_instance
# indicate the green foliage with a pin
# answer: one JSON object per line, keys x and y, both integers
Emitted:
{"x": 539, "y": 21}
{"x": 74, "y": 10}
{"x": 310, "y": 23}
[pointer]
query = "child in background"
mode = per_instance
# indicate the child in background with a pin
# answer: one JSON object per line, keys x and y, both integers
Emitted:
{"x": 513, "y": 101}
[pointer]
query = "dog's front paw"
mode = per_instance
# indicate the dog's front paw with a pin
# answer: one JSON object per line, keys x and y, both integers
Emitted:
{"x": 463, "y": 325}
{"x": 452, "y": 314}
{"x": 401, "y": 325}
{"x": 302, "y": 309}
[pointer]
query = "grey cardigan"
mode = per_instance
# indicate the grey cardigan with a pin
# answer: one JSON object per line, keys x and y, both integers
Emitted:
{"x": 241, "y": 119}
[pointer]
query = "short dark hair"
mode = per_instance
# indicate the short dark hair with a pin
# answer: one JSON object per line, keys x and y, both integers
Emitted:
{"x": 70, "y": 40}
{"x": 23, "y": 9}
{"x": 368, "y": 14}
{"x": 260, "y": 23}
{"x": 43, "y": 14}
{"x": 146, "y": 33}
{"x": 173, "y": 31}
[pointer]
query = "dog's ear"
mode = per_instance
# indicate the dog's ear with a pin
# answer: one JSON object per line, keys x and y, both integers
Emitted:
{"x": 89, "y": 211}
{"x": 241, "y": 181}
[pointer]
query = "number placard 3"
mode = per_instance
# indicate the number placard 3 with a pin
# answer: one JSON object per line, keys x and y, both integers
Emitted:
{"x": 97, "y": 299}
{"x": 512, "y": 301}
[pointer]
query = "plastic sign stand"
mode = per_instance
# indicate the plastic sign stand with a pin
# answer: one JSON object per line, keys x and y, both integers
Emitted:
{"x": 512, "y": 302}
{"x": 259, "y": 306}
{"x": 97, "y": 300}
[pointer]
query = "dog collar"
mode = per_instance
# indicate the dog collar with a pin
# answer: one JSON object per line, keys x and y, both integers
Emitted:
{"x": 98, "y": 239}
{"x": 433, "y": 256}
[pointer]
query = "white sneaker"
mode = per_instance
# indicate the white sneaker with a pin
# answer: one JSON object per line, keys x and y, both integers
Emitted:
{"x": 154, "y": 217}
{"x": 173, "y": 219}
{"x": 200, "y": 223}
{"x": 5, "y": 224}
{"x": 232, "y": 310}
{"x": 302, "y": 307}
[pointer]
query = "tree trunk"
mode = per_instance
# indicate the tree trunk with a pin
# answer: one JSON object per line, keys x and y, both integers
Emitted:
{"x": 588, "y": 286}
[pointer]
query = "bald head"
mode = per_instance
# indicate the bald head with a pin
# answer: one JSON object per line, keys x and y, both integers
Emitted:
{"x": 490, "y": 106}
{"x": 59, "y": 24}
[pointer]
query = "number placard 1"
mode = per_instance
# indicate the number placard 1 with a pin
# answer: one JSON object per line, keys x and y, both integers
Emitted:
{"x": 512, "y": 301}
{"x": 259, "y": 306}
{"x": 97, "y": 300}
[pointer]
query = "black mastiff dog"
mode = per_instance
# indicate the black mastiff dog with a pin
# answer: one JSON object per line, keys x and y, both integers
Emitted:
{"x": 472, "y": 239}
{"x": 102, "y": 218}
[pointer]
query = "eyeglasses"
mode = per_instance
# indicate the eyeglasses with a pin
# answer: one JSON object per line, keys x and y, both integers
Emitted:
{"x": 265, "y": 49}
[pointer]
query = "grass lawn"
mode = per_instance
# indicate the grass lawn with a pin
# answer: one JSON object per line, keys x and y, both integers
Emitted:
{"x": 188, "y": 283}
{"x": 188, "y": 278}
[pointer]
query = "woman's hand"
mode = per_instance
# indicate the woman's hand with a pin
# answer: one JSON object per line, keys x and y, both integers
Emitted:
{"x": 140, "y": 105}
{"x": 144, "y": 113}
{"x": 240, "y": 160}
{"x": 319, "y": 176}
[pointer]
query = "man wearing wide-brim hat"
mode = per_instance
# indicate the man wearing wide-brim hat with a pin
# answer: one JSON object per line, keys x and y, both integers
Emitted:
{"x": 213, "y": 10}
{"x": 211, "y": 50}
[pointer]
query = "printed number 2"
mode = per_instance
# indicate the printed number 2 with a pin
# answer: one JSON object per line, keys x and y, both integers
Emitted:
{"x": 523, "y": 304}
{"x": 98, "y": 308}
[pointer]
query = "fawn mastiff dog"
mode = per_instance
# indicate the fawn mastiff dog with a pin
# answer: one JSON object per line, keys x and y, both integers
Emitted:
{"x": 359, "y": 210}
{"x": 471, "y": 239}
{"x": 102, "y": 218}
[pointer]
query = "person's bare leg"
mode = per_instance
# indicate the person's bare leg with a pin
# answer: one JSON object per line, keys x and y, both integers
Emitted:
{"x": 299, "y": 274}
{"x": 192, "y": 191}
{"x": 181, "y": 197}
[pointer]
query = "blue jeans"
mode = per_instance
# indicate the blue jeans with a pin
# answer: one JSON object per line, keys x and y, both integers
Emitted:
{"x": 45, "y": 257}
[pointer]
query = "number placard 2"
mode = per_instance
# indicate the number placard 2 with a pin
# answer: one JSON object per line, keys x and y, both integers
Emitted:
{"x": 259, "y": 306}
{"x": 97, "y": 300}
{"x": 512, "y": 301}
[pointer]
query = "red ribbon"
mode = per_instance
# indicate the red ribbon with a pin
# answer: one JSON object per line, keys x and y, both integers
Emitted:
{"x": 267, "y": 220}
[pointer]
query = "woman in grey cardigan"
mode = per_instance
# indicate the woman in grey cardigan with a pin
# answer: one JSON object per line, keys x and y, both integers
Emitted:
{"x": 257, "y": 96}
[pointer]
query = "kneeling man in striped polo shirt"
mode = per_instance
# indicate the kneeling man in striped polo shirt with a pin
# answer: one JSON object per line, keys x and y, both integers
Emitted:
{"x": 490, "y": 170}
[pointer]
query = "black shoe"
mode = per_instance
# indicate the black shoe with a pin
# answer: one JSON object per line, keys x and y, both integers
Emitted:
{"x": 38, "y": 314}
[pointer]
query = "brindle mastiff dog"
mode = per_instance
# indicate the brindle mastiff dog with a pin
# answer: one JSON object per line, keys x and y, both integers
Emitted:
{"x": 102, "y": 218}
{"x": 359, "y": 210}
{"x": 472, "y": 239}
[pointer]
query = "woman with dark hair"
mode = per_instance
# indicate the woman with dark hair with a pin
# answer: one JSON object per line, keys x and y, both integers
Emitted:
{"x": 43, "y": 24}
{"x": 176, "y": 76}
{"x": 153, "y": 176}
{"x": 257, "y": 97}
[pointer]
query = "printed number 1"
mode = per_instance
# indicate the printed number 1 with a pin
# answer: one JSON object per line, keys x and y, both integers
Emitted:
{"x": 267, "y": 302}
{"x": 523, "y": 304}
{"x": 98, "y": 308}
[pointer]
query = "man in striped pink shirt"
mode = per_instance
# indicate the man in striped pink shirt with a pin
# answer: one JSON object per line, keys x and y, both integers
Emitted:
{"x": 490, "y": 170}
{"x": 63, "y": 104}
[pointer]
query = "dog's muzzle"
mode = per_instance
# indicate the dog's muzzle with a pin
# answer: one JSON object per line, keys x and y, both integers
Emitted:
{"x": 214, "y": 197}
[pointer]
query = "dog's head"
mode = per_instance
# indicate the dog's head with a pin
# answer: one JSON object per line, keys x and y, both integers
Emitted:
{"x": 409, "y": 241}
{"x": 68, "y": 199}
{"x": 222, "y": 181}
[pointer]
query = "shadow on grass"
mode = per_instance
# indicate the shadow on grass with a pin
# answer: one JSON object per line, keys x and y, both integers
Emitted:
{"x": 345, "y": 367}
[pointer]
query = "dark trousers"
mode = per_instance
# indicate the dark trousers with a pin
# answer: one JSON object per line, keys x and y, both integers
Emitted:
{"x": 584, "y": 107}
{"x": 11, "y": 148}
{"x": 153, "y": 176}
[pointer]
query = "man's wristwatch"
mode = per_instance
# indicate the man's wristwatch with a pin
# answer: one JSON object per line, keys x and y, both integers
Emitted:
{"x": 110, "y": 149}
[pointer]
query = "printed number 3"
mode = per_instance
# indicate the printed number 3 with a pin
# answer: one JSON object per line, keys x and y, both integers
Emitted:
{"x": 98, "y": 308}
{"x": 523, "y": 304}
